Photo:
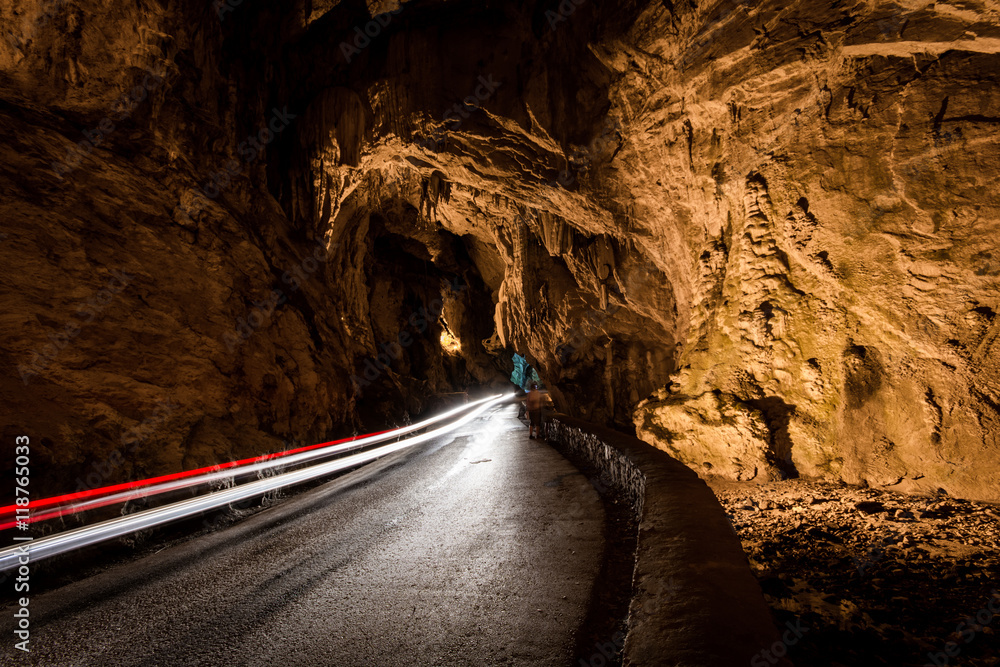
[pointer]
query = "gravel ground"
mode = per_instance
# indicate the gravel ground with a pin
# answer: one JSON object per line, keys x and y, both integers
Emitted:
{"x": 874, "y": 578}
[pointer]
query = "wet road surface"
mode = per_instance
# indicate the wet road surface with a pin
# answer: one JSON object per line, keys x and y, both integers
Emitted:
{"x": 479, "y": 548}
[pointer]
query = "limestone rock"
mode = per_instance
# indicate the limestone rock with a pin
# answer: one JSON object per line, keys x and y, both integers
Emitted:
{"x": 726, "y": 437}
{"x": 785, "y": 212}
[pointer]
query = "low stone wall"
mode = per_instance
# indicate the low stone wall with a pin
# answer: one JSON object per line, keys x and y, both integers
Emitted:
{"x": 695, "y": 602}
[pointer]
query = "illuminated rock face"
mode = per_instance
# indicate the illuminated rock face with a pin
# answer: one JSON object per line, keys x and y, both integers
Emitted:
{"x": 832, "y": 188}
{"x": 764, "y": 235}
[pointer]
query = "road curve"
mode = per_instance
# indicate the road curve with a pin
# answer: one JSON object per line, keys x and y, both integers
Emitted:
{"x": 478, "y": 548}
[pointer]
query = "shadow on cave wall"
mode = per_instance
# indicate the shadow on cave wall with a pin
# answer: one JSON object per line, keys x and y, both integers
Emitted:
{"x": 778, "y": 414}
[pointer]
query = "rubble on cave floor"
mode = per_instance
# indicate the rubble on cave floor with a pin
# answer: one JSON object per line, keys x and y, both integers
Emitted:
{"x": 872, "y": 577}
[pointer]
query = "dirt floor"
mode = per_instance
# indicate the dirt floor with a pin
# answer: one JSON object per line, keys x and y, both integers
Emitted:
{"x": 872, "y": 577}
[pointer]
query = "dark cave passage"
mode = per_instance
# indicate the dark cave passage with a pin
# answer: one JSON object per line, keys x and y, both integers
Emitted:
{"x": 431, "y": 320}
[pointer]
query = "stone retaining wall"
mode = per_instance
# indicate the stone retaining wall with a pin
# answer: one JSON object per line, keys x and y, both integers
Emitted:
{"x": 695, "y": 601}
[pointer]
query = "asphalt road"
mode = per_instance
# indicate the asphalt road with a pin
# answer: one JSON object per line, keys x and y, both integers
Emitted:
{"x": 480, "y": 548}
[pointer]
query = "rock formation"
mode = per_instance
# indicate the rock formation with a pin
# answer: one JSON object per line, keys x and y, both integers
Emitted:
{"x": 761, "y": 234}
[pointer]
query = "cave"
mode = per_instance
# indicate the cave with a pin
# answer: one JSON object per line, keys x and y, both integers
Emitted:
{"x": 757, "y": 236}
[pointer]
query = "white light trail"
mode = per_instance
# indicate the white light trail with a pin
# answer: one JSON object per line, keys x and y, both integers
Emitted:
{"x": 81, "y": 537}
{"x": 174, "y": 485}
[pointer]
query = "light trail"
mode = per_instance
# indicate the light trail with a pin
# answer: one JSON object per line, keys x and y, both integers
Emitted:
{"x": 109, "y": 495}
{"x": 47, "y": 547}
{"x": 67, "y": 497}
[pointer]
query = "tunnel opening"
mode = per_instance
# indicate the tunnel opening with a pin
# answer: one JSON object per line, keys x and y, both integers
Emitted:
{"x": 429, "y": 325}
{"x": 450, "y": 343}
{"x": 524, "y": 374}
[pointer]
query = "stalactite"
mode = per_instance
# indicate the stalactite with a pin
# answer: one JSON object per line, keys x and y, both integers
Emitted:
{"x": 434, "y": 190}
{"x": 556, "y": 234}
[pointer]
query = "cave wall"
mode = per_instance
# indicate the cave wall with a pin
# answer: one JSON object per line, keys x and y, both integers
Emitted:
{"x": 760, "y": 234}
{"x": 836, "y": 168}
{"x": 147, "y": 326}
{"x": 162, "y": 311}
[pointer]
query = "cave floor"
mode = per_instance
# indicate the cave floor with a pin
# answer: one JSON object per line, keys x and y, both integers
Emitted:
{"x": 875, "y": 578}
{"x": 480, "y": 547}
